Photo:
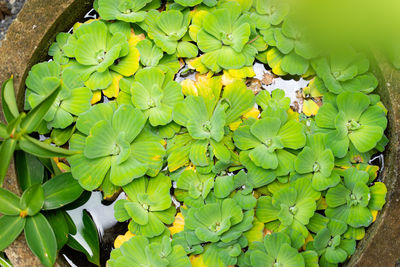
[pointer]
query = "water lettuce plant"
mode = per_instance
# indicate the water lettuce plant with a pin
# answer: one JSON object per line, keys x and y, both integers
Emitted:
{"x": 139, "y": 251}
{"x": 113, "y": 143}
{"x": 351, "y": 119}
{"x": 267, "y": 140}
{"x": 224, "y": 39}
{"x": 330, "y": 244}
{"x": 156, "y": 94}
{"x": 124, "y": 10}
{"x": 353, "y": 200}
{"x": 148, "y": 205}
{"x": 280, "y": 249}
{"x": 98, "y": 51}
{"x": 158, "y": 104}
{"x": 318, "y": 161}
{"x": 167, "y": 29}
{"x": 291, "y": 206}
{"x": 74, "y": 98}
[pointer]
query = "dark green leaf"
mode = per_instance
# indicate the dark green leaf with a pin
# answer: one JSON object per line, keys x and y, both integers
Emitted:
{"x": 61, "y": 190}
{"x": 36, "y": 115}
{"x": 91, "y": 237}
{"x": 41, "y": 149}
{"x": 11, "y": 227}
{"x": 29, "y": 169}
{"x": 80, "y": 201}
{"x": 32, "y": 199}
{"x": 61, "y": 136}
{"x": 6, "y": 152}
{"x": 41, "y": 239}
{"x": 71, "y": 225}
{"x": 60, "y": 227}
{"x": 9, "y": 203}
{"x": 9, "y": 103}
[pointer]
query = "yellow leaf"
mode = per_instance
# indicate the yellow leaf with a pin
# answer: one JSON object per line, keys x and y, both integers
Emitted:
{"x": 374, "y": 214}
{"x": 189, "y": 88}
{"x": 113, "y": 90}
{"x": 178, "y": 224}
{"x": 134, "y": 39}
{"x": 122, "y": 239}
{"x": 252, "y": 113}
{"x": 308, "y": 239}
{"x": 96, "y": 97}
{"x": 274, "y": 58}
{"x": 234, "y": 125}
{"x": 196, "y": 64}
{"x": 293, "y": 115}
{"x": 321, "y": 204}
{"x": 310, "y": 108}
{"x": 197, "y": 261}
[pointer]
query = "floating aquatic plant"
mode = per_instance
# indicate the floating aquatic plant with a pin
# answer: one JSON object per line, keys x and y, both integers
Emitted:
{"x": 160, "y": 100}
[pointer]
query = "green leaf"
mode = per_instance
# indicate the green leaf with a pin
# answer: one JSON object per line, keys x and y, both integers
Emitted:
{"x": 9, "y": 203}
{"x": 6, "y": 151}
{"x": 43, "y": 150}
{"x": 60, "y": 191}
{"x": 30, "y": 170}
{"x": 9, "y": 103}
{"x": 3, "y": 131}
{"x": 378, "y": 194}
{"x": 11, "y": 227}
{"x": 36, "y": 115}
{"x": 60, "y": 227}
{"x": 90, "y": 236}
{"x": 137, "y": 213}
{"x": 32, "y": 199}
{"x": 41, "y": 239}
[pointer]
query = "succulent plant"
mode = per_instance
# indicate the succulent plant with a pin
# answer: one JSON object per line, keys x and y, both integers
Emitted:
{"x": 224, "y": 39}
{"x": 292, "y": 206}
{"x": 353, "y": 201}
{"x": 112, "y": 142}
{"x": 139, "y": 251}
{"x": 266, "y": 140}
{"x": 351, "y": 119}
{"x": 56, "y": 49}
{"x": 331, "y": 245}
{"x": 148, "y": 205}
{"x": 318, "y": 161}
{"x": 72, "y": 100}
{"x": 274, "y": 100}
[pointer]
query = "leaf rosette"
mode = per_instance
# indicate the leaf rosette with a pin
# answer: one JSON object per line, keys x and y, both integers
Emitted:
{"x": 351, "y": 119}
{"x": 353, "y": 201}
{"x": 114, "y": 144}
{"x": 148, "y": 205}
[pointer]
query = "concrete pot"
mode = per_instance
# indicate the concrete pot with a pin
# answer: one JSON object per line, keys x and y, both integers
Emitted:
{"x": 35, "y": 28}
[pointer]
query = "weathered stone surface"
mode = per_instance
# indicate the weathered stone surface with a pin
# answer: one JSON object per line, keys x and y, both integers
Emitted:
{"x": 381, "y": 246}
{"x": 26, "y": 44}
